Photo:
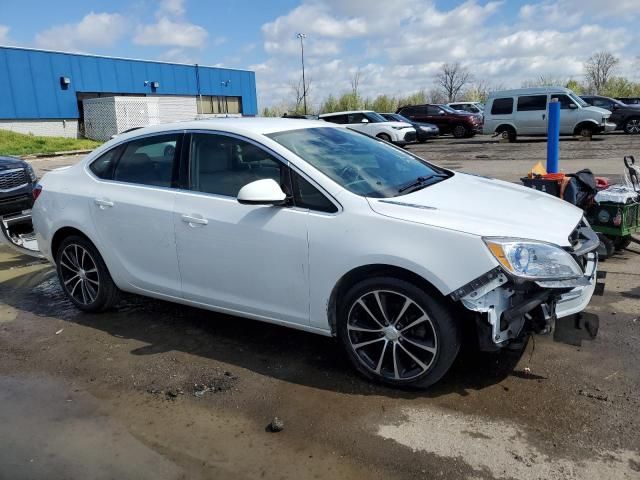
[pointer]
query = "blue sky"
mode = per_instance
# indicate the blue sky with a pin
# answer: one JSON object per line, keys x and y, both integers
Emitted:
{"x": 396, "y": 45}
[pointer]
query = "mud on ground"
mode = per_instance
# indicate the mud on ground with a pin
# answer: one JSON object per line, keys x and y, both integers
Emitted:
{"x": 155, "y": 390}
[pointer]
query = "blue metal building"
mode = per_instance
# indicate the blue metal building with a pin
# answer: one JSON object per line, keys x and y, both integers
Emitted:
{"x": 43, "y": 87}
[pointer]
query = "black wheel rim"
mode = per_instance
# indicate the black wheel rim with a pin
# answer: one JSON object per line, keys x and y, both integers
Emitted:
{"x": 391, "y": 335}
{"x": 79, "y": 273}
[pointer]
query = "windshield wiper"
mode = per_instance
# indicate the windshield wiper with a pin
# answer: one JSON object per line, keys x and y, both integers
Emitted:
{"x": 420, "y": 182}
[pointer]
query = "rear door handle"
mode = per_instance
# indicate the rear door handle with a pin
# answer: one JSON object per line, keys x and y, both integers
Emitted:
{"x": 194, "y": 220}
{"x": 544, "y": 115}
{"x": 103, "y": 203}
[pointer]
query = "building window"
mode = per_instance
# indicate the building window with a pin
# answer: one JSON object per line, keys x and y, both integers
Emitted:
{"x": 208, "y": 104}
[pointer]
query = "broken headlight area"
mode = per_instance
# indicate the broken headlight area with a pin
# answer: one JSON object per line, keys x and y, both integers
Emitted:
{"x": 508, "y": 307}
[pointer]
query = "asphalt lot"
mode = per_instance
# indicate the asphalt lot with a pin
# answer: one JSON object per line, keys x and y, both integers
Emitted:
{"x": 155, "y": 390}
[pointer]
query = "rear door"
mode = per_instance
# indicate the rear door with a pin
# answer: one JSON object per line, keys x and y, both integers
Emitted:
{"x": 531, "y": 114}
{"x": 132, "y": 210}
{"x": 439, "y": 117}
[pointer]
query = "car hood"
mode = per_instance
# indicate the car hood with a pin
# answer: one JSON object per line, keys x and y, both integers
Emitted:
{"x": 601, "y": 111}
{"x": 7, "y": 163}
{"x": 485, "y": 207}
{"x": 397, "y": 124}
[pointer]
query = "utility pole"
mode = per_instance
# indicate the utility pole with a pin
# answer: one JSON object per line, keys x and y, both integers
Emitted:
{"x": 302, "y": 36}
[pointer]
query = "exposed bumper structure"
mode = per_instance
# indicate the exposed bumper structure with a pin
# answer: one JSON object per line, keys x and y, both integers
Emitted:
{"x": 17, "y": 233}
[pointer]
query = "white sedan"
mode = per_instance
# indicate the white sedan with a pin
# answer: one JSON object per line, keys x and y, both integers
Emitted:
{"x": 313, "y": 226}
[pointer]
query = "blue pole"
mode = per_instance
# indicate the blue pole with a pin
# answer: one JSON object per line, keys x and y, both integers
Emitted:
{"x": 553, "y": 136}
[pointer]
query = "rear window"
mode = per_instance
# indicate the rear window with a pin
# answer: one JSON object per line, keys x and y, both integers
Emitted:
{"x": 532, "y": 102}
{"x": 502, "y": 106}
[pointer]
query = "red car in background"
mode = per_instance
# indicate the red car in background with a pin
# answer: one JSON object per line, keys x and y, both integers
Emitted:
{"x": 448, "y": 120}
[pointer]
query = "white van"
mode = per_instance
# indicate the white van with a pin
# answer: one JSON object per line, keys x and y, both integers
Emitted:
{"x": 524, "y": 112}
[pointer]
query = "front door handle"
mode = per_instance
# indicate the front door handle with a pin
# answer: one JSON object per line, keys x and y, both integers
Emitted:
{"x": 103, "y": 203}
{"x": 544, "y": 115}
{"x": 194, "y": 220}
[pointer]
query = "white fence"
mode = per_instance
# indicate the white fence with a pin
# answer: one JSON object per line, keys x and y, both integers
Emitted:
{"x": 106, "y": 116}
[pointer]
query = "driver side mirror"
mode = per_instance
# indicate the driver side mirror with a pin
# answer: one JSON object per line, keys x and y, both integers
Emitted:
{"x": 262, "y": 192}
{"x": 364, "y": 120}
{"x": 573, "y": 106}
{"x": 441, "y": 112}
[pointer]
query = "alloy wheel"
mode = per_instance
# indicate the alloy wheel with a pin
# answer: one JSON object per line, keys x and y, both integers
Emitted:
{"x": 79, "y": 273}
{"x": 633, "y": 126}
{"x": 392, "y": 335}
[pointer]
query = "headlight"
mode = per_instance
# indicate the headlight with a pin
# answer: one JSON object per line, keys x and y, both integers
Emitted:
{"x": 533, "y": 260}
{"x": 31, "y": 173}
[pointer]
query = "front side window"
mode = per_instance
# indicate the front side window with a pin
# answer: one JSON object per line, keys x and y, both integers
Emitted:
{"x": 433, "y": 110}
{"x": 531, "y": 103}
{"x": 359, "y": 163}
{"x": 223, "y": 165}
{"x": 148, "y": 161}
{"x": 565, "y": 101}
{"x": 356, "y": 117}
{"x": 502, "y": 106}
{"x": 305, "y": 195}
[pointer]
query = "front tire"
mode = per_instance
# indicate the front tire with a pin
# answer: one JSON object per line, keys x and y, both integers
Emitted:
{"x": 632, "y": 126}
{"x": 396, "y": 333}
{"x": 460, "y": 131}
{"x": 84, "y": 276}
{"x": 384, "y": 136}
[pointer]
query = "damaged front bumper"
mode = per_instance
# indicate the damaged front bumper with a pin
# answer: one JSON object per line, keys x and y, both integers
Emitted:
{"x": 507, "y": 308}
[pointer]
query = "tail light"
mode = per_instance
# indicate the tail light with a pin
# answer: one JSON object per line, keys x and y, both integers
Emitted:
{"x": 37, "y": 190}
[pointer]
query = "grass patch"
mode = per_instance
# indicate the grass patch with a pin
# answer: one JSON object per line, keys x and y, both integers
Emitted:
{"x": 18, "y": 144}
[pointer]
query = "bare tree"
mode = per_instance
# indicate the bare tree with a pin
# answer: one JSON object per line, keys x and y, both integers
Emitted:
{"x": 451, "y": 79}
{"x": 299, "y": 91}
{"x": 599, "y": 68}
{"x": 479, "y": 90}
{"x": 355, "y": 83}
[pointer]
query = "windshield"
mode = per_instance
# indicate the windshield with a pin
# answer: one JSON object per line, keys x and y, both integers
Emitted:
{"x": 448, "y": 109}
{"x": 578, "y": 100}
{"x": 361, "y": 164}
{"x": 375, "y": 117}
{"x": 399, "y": 118}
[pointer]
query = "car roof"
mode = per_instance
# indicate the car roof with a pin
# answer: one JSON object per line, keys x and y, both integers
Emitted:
{"x": 346, "y": 112}
{"x": 254, "y": 125}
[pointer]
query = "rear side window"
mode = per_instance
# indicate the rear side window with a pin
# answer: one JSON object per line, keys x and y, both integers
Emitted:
{"x": 148, "y": 161}
{"x": 532, "y": 102}
{"x": 341, "y": 119}
{"x": 306, "y": 195}
{"x": 502, "y": 106}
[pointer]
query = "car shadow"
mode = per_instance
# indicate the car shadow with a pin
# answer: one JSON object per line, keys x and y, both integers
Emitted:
{"x": 270, "y": 350}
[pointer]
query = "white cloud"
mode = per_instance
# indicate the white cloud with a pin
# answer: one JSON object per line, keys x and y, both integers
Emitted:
{"x": 169, "y": 33}
{"x": 171, "y": 7}
{"x": 4, "y": 34}
{"x": 400, "y": 46}
{"x": 94, "y": 30}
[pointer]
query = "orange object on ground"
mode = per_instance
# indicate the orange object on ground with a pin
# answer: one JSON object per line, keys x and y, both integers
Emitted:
{"x": 554, "y": 176}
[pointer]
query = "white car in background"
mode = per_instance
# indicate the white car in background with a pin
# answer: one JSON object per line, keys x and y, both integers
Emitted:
{"x": 470, "y": 107}
{"x": 310, "y": 225}
{"x": 375, "y": 125}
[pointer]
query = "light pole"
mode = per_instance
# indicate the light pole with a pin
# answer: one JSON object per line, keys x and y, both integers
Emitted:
{"x": 302, "y": 36}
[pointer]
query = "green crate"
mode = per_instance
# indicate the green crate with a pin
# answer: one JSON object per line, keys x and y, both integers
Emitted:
{"x": 615, "y": 219}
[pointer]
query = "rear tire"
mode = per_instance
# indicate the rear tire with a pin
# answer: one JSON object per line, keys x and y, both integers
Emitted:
{"x": 460, "y": 131}
{"x": 507, "y": 134}
{"x": 83, "y": 275}
{"x": 396, "y": 333}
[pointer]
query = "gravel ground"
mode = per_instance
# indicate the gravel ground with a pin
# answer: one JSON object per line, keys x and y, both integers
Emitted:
{"x": 155, "y": 390}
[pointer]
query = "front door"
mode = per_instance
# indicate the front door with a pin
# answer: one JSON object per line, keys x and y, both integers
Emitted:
{"x": 569, "y": 114}
{"x": 249, "y": 259}
{"x": 132, "y": 209}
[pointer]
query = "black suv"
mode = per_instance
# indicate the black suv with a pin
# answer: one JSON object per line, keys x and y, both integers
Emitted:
{"x": 626, "y": 117}
{"x": 17, "y": 180}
